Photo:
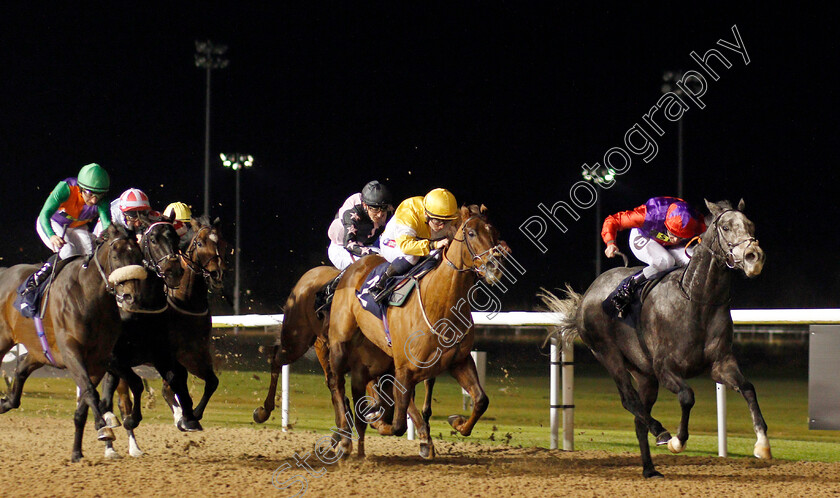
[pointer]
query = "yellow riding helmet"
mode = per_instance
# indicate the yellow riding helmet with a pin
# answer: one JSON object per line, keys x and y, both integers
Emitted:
{"x": 441, "y": 204}
{"x": 181, "y": 210}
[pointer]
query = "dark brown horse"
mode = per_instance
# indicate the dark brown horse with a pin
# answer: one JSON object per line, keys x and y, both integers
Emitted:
{"x": 685, "y": 328}
{"x": 302, "y": 327}
{"x": 184, "y": 328}
{"x": 81, "y": 322}
{"x": 432, "y": 332}
{"x": 145, "y": 337}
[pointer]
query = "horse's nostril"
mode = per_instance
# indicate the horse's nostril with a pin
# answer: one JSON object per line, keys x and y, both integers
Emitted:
{"x": 751, "y": 257}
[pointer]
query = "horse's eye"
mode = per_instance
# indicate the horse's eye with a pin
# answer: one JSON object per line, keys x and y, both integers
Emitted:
{"x": 471, "y": 233}
{"x": 725, "y": 228}
{"x": 199, "y": 244}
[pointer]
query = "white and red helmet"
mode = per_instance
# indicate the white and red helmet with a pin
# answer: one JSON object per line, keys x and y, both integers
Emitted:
{"x": 134, "y": 199}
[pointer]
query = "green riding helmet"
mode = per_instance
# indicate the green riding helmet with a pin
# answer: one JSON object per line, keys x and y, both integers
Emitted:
{"x": 93, "y": 177}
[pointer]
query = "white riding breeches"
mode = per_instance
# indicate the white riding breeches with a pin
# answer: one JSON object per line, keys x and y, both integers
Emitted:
{"x": 341, "y": 258}
{"x": 77, "y": 241}
{"x": 657, "y": 257}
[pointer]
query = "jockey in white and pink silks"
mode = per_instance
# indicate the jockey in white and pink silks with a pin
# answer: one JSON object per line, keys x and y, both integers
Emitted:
{"x": 659, "y": 232}
{"x": 360, "y": 221}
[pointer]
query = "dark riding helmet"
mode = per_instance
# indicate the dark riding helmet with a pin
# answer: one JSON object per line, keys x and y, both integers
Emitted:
{"x": 376, "y": 195}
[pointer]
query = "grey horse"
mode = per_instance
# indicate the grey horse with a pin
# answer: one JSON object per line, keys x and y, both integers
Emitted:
{"x": 685, "y": 328}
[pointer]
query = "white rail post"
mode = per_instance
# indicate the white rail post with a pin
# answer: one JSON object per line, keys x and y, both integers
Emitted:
{"x": 554, "y": 401}
{"x": 284, "y": 403}
{"x": 568, "y": 360}
{"x": 721, "y": 416}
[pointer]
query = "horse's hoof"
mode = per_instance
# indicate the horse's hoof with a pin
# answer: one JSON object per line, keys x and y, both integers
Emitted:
{"x": 762, "y": 452}
{"x": 346, "y": 448}
{"x": 374, "y": 417}
{"x": 427, "y": 451}
{"x": 189, "y": 425}
{"x": 653, "y": 474}
{"x": 455, "y": 421}
{"x": 675, "y": 446}
{"x": 76, "y": 456}
{"x": 105, "y": 434}
{"x": 136, "y": 452}
{"x": 260, "y": 415}
{"x": 111, "y": 420}
{"x": 112, "y": 454}
{"x": 663, "y": 438}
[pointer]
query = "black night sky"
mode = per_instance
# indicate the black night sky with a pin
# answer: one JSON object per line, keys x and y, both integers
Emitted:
{"x": 500, "y": 103}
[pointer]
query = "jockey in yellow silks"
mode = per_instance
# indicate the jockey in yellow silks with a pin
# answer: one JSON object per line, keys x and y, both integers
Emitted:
{"x": 408, "y": 235}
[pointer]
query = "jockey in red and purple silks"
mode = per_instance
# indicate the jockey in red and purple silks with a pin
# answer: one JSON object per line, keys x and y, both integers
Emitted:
{"x": 669, "y": 222}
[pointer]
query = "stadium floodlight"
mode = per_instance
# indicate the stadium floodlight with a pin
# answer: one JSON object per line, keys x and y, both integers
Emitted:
{"x": 237, "y": 162}
{"x": 209, "y": 57}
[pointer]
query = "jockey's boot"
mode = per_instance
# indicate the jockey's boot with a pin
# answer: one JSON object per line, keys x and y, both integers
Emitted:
{"x": 42, "y": 274}
{"x": 378, "y": 290}
{"x": 627, "y": 291}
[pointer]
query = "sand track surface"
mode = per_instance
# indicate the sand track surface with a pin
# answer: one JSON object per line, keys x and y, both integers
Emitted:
{"x": 242, "y": 462}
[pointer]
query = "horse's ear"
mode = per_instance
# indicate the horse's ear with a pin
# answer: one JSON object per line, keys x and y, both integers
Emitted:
{"x": 465, "y": 212}
{"x": 482, "y": 209}
{"x": 171, "y": 218}
{"x": 195, "y": 223}
{"x": 712, "y": 207}
{"x": 741, "y": 205}
{"x": 217, "y": 222}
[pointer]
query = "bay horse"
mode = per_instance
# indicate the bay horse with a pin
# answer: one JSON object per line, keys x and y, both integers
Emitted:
{"x": 432, "y": 332}
{"x": 81, "y": 322}
{"x": 180, "y": 335}
{"x": 685, "y": 328}
{"x": 303, "y": 327}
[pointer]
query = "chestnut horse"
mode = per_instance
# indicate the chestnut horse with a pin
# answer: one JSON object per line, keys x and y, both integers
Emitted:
{"x": 302, "y": 327}
{"x": 431, "y": 332}
{"x": 685, "y": 328}
{"x": 81, "y": 322}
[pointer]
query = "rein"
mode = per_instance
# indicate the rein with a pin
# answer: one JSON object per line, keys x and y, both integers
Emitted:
{"x": 111, "y": 290}
{"x": 148, "y": 260}
{"x": 479, "y": 270}
{"x": 193, "y": 265}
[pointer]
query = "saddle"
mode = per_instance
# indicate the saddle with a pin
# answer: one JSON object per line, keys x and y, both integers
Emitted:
{"x": 633, "y": 311}
{"x": 29, "y": 297}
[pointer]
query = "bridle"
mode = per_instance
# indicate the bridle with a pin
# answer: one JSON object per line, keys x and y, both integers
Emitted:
{"x": 477, "y": 258}
{"x": 148, "y": 259}
{"x": 728, "y": 258}
{"x": 111, "y": 289}
{"x": 192, "y": 264}
{"x": 725, "y": 254}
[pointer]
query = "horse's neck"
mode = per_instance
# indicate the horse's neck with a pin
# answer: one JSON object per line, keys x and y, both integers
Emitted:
{"x": 193, "y": 290}
{"x": 707, "y": 280}
{"x": 90, "y": 279}
{"x": 457, "y": 283}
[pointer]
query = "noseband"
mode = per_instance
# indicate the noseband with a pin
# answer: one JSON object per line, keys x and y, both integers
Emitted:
{"x": 195, "y": 266}
{"x": 729, "y": 258}
{"x": 111, "y": 289}
{"x": 148, "y": 259}
{"x": 476, "y": 257}
{"x": 725, "y": 255}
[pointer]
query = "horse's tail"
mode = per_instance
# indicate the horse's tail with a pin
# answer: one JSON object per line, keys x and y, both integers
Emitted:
{"x": 567, "y": 309}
